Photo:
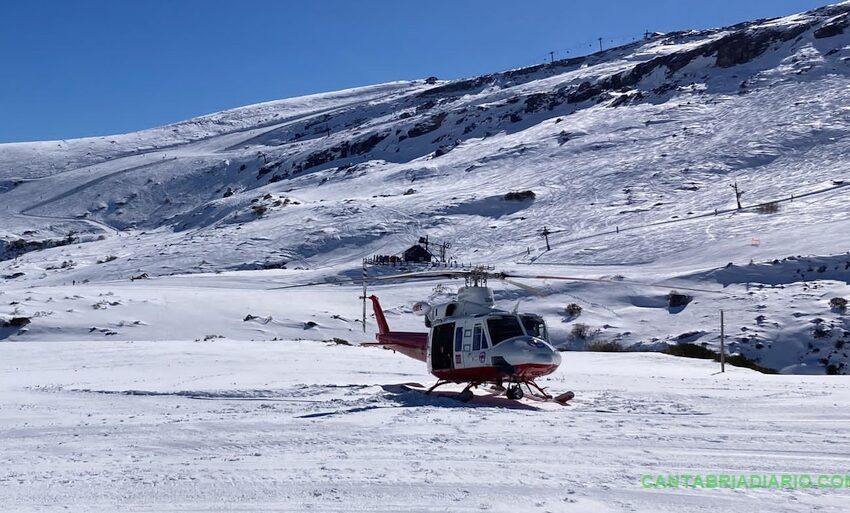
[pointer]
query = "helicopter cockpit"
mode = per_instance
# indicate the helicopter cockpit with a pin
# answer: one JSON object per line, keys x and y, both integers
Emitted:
{"x": 504, "y": 326}
{"x": 457, "y": 343}
{"x": 534, "y": 326}
{"x": 499, "y": 327}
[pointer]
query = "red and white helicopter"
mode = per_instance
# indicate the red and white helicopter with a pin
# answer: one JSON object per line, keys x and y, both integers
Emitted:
{"x": 471, "y": 341}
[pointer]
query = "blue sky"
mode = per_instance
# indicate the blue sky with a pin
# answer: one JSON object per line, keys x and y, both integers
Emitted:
{"x": 97, "y": 67}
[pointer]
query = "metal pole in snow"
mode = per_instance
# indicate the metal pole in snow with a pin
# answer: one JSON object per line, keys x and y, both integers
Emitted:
{"x": 365, "y": 275}
{"x": 722, "y": 344}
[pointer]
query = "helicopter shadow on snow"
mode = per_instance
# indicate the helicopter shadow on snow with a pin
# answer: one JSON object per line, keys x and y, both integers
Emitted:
{"x": 412, "y": 395}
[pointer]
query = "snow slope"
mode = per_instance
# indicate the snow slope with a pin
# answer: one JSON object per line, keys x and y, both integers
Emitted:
{"x": 630, "y": 153}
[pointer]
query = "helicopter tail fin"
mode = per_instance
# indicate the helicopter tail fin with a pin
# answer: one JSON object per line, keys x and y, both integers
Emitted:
{"x": 383, "y": 327}
{"x": 407, "y": 343}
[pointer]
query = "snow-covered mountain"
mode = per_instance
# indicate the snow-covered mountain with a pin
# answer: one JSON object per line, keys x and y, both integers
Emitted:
{"x": 630, "y": 154}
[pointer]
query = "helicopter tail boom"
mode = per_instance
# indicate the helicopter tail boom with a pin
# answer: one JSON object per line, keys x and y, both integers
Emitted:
{"x": 408, "y": 343}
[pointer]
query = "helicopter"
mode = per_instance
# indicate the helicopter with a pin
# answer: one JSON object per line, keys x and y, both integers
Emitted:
{"x": 470, "y": 341}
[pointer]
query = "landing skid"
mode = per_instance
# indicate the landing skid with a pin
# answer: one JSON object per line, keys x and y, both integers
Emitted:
{"x": 514, "y": 391}
{"x": 465, "y": 396}
{"x": 562, "y": 399}
{"x": 539, "y": 393}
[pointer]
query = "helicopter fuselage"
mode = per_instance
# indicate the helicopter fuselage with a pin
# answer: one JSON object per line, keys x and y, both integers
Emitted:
{"x": 470, "y": 341}
{"x": 488, "y": 347}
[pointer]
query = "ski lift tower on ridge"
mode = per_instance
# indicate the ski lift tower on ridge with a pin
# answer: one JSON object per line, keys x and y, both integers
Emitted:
{"x": 443, "y": 246}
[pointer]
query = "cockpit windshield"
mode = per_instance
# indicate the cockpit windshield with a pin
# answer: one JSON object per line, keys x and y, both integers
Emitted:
{"x": 503, "y": 327}
{"x": 534, "y": 326}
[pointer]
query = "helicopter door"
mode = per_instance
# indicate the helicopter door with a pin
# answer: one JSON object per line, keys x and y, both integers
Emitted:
{"x": 442, "y": 346}
{"x": 473, "y": 346}
{"x": 463, "y": 346}
{"x": 458, "y": 354}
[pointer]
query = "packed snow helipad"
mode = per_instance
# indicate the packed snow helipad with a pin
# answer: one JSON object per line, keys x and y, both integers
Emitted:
{"x": 310, "y": 426}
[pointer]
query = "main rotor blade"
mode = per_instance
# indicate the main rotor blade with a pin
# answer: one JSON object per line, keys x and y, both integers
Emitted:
{"x": 528, "y": 288}
{"x": 414, "y": 276}
{"x": 610, "y": 282}
{"x": 314, "y": 283}
{"x": 423, "y": 274}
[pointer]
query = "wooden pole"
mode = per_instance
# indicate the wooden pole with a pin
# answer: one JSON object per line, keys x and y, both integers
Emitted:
{"x": 722, "y": 343}
{"x": 737, "y": 195}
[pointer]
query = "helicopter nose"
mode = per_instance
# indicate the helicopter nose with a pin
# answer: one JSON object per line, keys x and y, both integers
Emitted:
{"x": 528, "y": 350}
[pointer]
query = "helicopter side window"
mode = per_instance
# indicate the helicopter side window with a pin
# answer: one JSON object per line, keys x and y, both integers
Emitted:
{"x": 503, "y": 327}
{"x": 535, "y": 326}
{"x": 483, "y": 340}
{"x": 450, "y": 309}
{"x": 476, "y": 338}
{"x": 458, "y": 338}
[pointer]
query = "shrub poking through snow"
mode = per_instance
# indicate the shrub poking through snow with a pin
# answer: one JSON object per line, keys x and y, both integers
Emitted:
{"x": 739, "y": 360}
{"x": 677, "y": 299}
{"x": 689, "y": 350}
{"x": 822, "y": 331}
{"x": 581, "y": 331}
{"x": 700, "y": 351}
{"x": 14, "y": 322}
{"x": 768, "y": 208}
{"x": 838, "y": 303}
{"x": 573, "y": 310}
{"x": 604, "y": 346}
{"x": 520, "y": 196}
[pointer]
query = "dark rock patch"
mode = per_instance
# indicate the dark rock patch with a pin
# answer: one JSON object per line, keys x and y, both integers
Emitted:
{"x": 429, "y": 125}
{"x": 832, "y": 27}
